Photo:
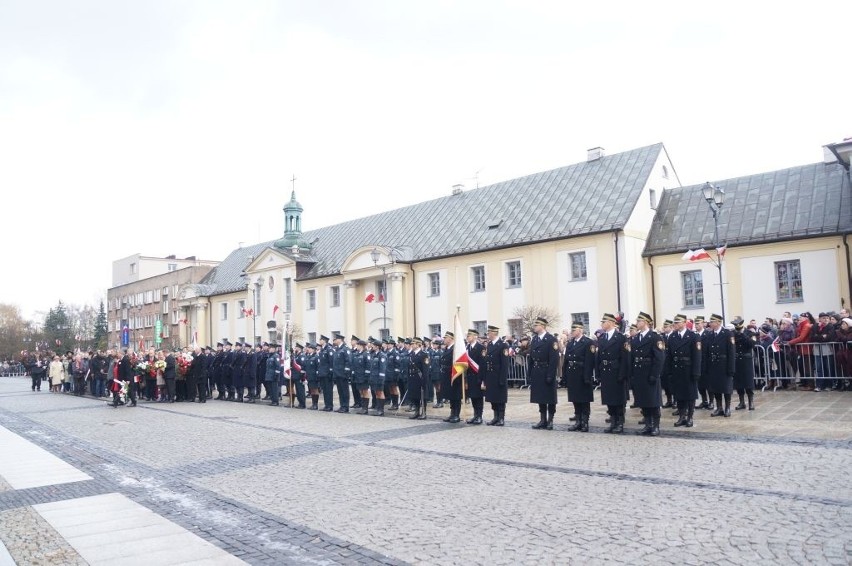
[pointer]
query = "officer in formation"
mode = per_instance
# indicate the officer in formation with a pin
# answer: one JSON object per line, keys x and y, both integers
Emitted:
{"x": 578, "y": 368}
{"x": 647, "y": 358}
{"x": 273, "y": 373}
{"x": 495, "y": 368}
{"x": 719, "y": 346}
{"x": 745, "y": 340}
{"x": 475, "y": 380}
{"x": 435, "y": 354}
{"x": 326, "y": 379}
{"x": 702, "y": 332}
{"x": 418, "y": 378}
{"x": 451, "y": 386}
{"x": 611, "y": 365}
{"x": 543, "y": 360}
{"x": 340, "y": 371}
{"x": 683, "y": 356}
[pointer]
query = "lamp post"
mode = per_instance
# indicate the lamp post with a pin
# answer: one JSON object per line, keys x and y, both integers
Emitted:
{"x": 375, "y": 255}
{"x": 715, "y": 198}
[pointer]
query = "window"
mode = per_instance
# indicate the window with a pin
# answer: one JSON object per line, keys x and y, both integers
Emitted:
{"x": 434, "y": 330}
{"x": 172, "y": 267}
{"x": 164, "y": 333}
{"x": 149, "y": 297}
{"x": 513, "y": 274}
{"x": 312, "y": 337}
{"x": 692, "y": 283}
{"x": 477, "y": 275}
{"x": 665, "y": 172}
{"x": 334, "y": 296}
{"x": 165, "y": 306}
{"x": 434, "y": 284}
{"x": 652, "y": 193}
{"x": 241, "y": 309}
{"x": 381, "y": 291}
{"x": 241, "y": 339}
{"x": 271, "y": 283}
{"x": 223, "y": 311}
{"x": 311, "y": 299}
{"x": 288, "y": 294}
{"x": 788, "y": 280}
{"x": 578, "y": 266}
{"x": 384, "y": 333}
{"x": 582, "y": 317}
{"x": 175, "y": 316}
{"x": 132, "y": 269}
{"x": 480, "y": 326}
{"x": 165, "y": 290}
{"x": 156, "y": 295}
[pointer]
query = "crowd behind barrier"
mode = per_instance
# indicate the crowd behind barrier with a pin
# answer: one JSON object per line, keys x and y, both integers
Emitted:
{"x": 12, "y": 369}
{"x": 818, "y": 366}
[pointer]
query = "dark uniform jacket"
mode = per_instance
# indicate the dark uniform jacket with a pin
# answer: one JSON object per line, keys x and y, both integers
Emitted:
{"x": 403, "y": 360}
{"x": 744, "y": 342}
{"x": 719, "y": 361}
{"x": 474, "y": 380}
{"x": 378, "y": 369}
{"x": 611, "y": 366}
{"x": 495, "y": 370}
{"x": 435, "y": 365}
{"x": 683, "y": 364}
{"x": 340, "y": 363}
{"x": 217, "y": 364}
{"x": 310, "y": 369}
{"x": 647, "y": 358}
{"x": 250, "y": 370}
{"x": 359, "y": 362}
{"x": 578, "y": 368}
{"x": 543, "y": 364}
{"x": 418, "y": 374}
{"x": 273, "y": 368}
{"x": 392, "y": 370}
{"x": 451, "y": 390}
{"x": 324, "y": 357}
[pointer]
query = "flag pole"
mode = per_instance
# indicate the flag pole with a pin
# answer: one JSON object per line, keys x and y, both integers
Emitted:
{"x": 464, "y": 396}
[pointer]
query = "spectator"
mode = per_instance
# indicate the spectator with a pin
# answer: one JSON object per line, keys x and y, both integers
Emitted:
{"x": 823, "y": 353}
{"x": 56, "y": 374}
{"x": 802, "y": 349}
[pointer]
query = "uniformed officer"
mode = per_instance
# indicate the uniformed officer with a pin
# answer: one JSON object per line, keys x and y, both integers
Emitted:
{"x": 261, "y": 367}
{"x": 217, "y": 370}
{"x": 356, "y": 394}
{"x": 437, "y": 376}
{"x": 578, "y": 368}
{"x": 272, "y": 375}
{"x": 745, "y": 341}
{"x": 403, "y": 360}
{"x": 227, "y": 369}
{"x": 250, "y": 371}
{"x": 391, "y": 389}
{"x": 237, "y": 365}
{"x": 495, "y": 367}
{"x": 611, "y": 364}
{"x": 543, "y": 359}
{"x": 475, "y": 380}
{"x": 340, "y": 370}
{"x": 702, "y": 332}
{"x": 378, "y": 372}
{"x": 683, "y": 354}
{"x": 360, "y": 364}
{"x": 418, "y": 378}
{"x": 309, "y": 367}
{"x": 647, "y": 358}
{"x": 720, "y": 364}
{"x": 326, "y": 380}
{"x": 451, "y": 388}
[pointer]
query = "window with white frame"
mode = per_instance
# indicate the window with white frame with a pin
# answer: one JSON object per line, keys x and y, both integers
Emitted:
{"x": 581, "y": 317}
{"x": 788, "y": 281}
{"x": 311, "y": 299}
{"x": 165, "y": 306}
{"x": 513, "y": 274}
{"x": 692, "y": 288}
{"x": 241, "y": 309}
{"x": 434, "y": 284}
{"x": 223, "y": 311}
{"x": 477, "y": 276}
{"x": 480, "y": 326}
{"x": 334, "y": 296}
{"x": 577, "y": 261}
{"x": 172, "y": 267}
{"x": 312, "y": 337}
{"x": 434, "y": 330}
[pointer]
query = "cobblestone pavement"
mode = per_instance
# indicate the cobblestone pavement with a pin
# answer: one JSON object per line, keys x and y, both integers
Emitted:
{"x": 279, "y": 485}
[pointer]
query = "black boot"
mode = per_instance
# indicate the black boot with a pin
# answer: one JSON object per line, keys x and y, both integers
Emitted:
{"x": 619, "y": 424}
{"x": 727, "y": 405}
{"x": 611, "y": 421}
{"x": 542, "y": 422}
{"x": 380, "y": 408}
{"x": 689, "y": 423}
{"x": 551, "y": 412}
{"x": 647, "y": 422}
{"x": 742, "y": 404}
{"x": 501, "y": 414}
{"x": 365, "y": 407}
{"x": 394, "y": 403}
{"x": 584, "y": 418}
{"x": 455, "y": 411}
{"x": 750, "y": 394}
{"x": 681, "y": 421}
{"x": 496, "y": 410}
{"x": 416, "y": 415}
{"x": 655, "y": 424}
{"x": 314, "y": 403}
{"x": 669, "y": 403}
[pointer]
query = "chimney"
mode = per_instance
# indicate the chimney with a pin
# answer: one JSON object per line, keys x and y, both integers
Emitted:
{"x": 458, "y": 189}
{"x": 190, "y": 258}
{"x": 594, "y": 153}
{"x": 171, "y": 257}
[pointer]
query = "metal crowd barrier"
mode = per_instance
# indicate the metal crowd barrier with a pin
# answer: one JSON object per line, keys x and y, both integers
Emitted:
{"x": 823, "y": 365}
{"x": 13, "y": 370}
{"x": 518, "y": 371}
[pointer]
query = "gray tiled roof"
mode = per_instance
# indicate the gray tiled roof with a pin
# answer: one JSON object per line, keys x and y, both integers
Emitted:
{"x": 583, "y": 198}
{"x": 800, "y": 202}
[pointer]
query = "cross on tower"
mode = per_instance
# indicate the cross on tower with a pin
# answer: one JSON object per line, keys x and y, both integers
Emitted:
{"x": 293, "y": 180}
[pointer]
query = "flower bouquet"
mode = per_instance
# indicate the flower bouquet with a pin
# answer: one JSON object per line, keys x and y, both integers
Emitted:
{"x": 140, "y": 370}
{"x": 184, "y": 360}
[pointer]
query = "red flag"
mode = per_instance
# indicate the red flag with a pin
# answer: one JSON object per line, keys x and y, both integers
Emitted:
{"x": 776, "y": 345}
{"x": 274, "y": 310}
{"x": 295, "y": 364}
{"x": 370, "y": 297}
{"x": 461, "y": 360}
{"x": 381, "y": 298}
{"x": 721, "y": 251}
{"x": 698, "y": 254}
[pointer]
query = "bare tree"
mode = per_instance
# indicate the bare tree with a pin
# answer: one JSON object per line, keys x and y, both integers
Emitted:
{"x": 524, "y": 317}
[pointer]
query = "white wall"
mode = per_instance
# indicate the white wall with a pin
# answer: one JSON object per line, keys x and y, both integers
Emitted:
{"x": 334, "y": 316}
{"x": 515, "y": 297}
{"x": 819, "y": 284}
{"x": 433, "y": 310}
{"x": 577, "y": 296}
{"x": 670, "y": 293}
{"x": 477, "y": 301}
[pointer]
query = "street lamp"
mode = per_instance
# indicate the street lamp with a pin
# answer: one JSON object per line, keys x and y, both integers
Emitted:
{"x": 715, "y": 198}
{"x": 375, "y": 255}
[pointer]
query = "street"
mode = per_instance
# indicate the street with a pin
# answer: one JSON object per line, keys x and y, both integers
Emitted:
{"x": 274, "y": 485}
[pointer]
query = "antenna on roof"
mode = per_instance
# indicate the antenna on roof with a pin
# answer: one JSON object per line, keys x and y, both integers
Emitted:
{"x": 475, "y": 177}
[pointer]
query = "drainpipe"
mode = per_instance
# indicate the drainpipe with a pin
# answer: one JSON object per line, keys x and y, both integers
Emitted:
{"x": 653, "y": 290}
{"x": 617, "y": 272}
{"x": 414, "y": 297}
{"x": 848, "y": 268}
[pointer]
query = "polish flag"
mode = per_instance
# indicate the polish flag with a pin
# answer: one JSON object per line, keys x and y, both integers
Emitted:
{"x": 698, "y": 254}
{"x": 461, "y": 361}
{"x": 370, "y": 298}
{"x": 286, "y": 364}
{"x": 721, "y": 251}
{"x": 274, "y": 310}
{"x": 776, "y": 345}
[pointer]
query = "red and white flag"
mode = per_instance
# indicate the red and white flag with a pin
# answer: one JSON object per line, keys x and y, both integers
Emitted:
{"x": 285, "y": 363}
{"x": 370, "y": 298}
{"x": 776, "y": 345}
{"x": 721, "y": 251}
{"x": 461, "y": 361}
{"x": 274, "y": 310}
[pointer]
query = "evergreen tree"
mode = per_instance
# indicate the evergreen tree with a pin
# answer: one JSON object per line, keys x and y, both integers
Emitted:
{"x": 57, "y": 329}
{"x": 101, "y": 329}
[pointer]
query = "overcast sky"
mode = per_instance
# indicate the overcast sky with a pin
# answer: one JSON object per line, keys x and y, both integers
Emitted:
{"x": 168, "y": 127}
